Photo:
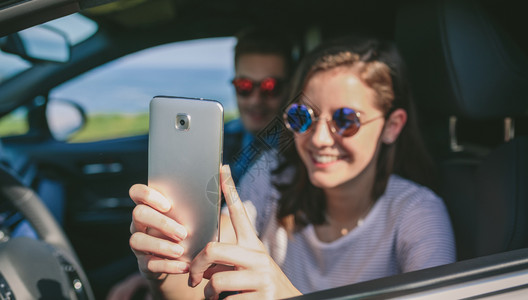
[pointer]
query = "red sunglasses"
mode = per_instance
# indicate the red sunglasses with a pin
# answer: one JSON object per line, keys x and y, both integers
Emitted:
{"x": 268, "y": 86}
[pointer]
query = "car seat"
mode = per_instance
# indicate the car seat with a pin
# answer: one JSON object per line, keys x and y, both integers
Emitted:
{"x": 469, "y": 76}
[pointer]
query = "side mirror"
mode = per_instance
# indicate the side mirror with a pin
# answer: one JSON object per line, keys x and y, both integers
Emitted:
{"x": 39, "y": 43}
{"x": 65, "y": 118}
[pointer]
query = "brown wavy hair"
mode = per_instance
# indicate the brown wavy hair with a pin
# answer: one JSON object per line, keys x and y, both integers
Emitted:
{"x": 381, "y": 68}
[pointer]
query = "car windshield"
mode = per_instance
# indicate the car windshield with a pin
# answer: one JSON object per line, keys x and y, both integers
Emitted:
{"x": 75, "y": 28}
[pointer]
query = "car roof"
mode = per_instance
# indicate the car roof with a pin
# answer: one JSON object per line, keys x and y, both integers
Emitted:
{"x": 16, "y": 14}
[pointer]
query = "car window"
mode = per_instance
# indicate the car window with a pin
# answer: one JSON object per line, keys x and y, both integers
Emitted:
{"x": 11, "y": 65}
{"x": 76, "y": 28}
{"x": 15, "y": 123}
{"x": 115, "y": 96}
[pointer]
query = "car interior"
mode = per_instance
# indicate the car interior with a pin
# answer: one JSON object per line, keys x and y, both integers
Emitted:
{"x": 469, "y": 71}
{"x": 468, "y": 67}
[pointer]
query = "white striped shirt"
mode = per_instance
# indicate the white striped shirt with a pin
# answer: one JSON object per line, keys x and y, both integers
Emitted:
{"x": 407, "y": 229}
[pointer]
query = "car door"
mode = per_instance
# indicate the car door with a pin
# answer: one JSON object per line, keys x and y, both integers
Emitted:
{"x": 88, "y": 139}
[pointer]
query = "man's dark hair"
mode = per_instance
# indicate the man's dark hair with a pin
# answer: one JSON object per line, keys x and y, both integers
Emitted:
{"x": 265, "y": 41}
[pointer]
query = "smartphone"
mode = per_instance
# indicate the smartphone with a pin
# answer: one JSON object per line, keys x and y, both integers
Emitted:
{"x": 184, "y": 160}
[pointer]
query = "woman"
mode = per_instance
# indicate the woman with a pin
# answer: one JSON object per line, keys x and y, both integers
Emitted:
{"x": 333, "y": 212}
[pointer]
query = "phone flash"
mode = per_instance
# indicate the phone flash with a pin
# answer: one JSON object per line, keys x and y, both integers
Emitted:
{"x": 183, "y": 122}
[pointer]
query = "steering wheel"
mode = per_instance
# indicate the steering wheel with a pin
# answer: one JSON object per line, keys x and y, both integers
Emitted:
{"x": 47, "y": 268}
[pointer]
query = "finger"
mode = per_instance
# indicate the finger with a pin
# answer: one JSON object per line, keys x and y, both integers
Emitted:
{"x": 155, "y": 267}
{"x": 137, "y": 226}
{"x": 141, "y": 242}
{"x": 133, "y": 228}
{"x": 144, "y": 217}
{"x": 244, "y": 231}
{"x": 143, "y": 261}
{"x": 215, "y": 269}
{"x": 223, "y": 254}
{"x": 142, "y": 194}
{"x": 231, "y": 281}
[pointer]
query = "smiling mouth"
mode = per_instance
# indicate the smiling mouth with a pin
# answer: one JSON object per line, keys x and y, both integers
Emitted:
{"x": 325, "y": 159}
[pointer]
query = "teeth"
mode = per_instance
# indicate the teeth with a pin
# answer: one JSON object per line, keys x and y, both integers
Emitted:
{"x": 324, "y": 159}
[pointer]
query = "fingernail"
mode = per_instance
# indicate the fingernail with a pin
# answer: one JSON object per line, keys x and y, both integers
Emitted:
{"x": 226, "y": 173}
{"x": 191, "y": 282}
{"x": 163, "y": 203}
{"x": 229, "y": 185}
{"x": 180, "y": 234}
{"x": 185, "y": 268}
{"x": 195, "y": 284}
{"x": 177, "y": 249}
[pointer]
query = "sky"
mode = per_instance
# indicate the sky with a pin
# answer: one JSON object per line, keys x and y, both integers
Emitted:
{"x": 205, "y": 53}
{"x": 199, "y": 68}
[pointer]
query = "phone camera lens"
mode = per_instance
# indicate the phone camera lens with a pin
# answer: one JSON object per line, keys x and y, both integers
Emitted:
{"x": 182, "y": 122}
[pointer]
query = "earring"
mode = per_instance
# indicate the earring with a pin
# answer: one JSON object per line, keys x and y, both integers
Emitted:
{"x": 388, "y": 140}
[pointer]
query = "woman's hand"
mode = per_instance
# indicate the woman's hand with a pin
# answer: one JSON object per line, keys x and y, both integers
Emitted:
{"x": 155, "y": 237}
{"x": 252, "y": 271}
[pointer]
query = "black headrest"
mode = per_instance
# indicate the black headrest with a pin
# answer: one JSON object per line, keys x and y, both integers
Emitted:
{"x": 461, "y": 62}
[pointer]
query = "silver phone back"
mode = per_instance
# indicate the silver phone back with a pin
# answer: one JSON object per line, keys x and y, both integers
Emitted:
{"x": 184, "y": 164}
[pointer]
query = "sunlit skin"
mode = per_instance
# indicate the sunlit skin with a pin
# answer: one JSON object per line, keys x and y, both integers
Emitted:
{"x": 257, "y": 110}
{"x": 331, "y": 160}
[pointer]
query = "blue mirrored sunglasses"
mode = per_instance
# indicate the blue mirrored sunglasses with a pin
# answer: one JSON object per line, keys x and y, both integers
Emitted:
{"x": 345, "y": 121}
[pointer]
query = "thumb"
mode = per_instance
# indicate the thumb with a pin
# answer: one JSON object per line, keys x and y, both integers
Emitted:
{"x": 243, "y": 228}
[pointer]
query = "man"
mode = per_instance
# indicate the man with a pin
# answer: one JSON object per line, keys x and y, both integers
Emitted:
{"x": 263, "y": 64}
